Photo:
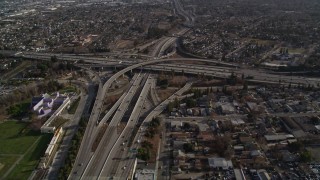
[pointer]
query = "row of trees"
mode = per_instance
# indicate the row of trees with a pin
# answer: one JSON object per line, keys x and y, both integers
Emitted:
{"x": 146, "y": 146}
{"x": 75, "y": 144}
{"x": 299, "y": 147}
{"x": 17, "y": 111}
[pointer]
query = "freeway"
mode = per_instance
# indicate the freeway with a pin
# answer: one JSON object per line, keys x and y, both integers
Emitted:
{"x": 112, "y": 62}
{"x": 214, "y": 71}
{"x": 154, "y": 96}
{"x": 111, "y": 135}
{"x": 84, "y": 152}
{"x": 129, "y": 162}
{"x": 121, "y": 143}
{"x": 112, "y": 110}
{"x": 258, "y": 75}
{"x": 189, "y": 19}
{"x": 165, "y": 43}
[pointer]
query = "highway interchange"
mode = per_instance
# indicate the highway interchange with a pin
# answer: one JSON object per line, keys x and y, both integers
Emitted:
{"x": 113, "y": 157}
{"x": 96, "y": 165}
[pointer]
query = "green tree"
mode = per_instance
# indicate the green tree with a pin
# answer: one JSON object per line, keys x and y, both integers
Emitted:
{"x": 190, "y": 102}
{"x": 188, "y": 147}
{"x": 315, "y": 120}
{"x": 296, "y": 146}
{"x": 245, "y": 86}
{"x": 54, "y": 59}
{"x": 146, "y": 144}
{"x": 155, "y": 122}
{"x": 186, "y": 125}
{"x": 143, "y": 154}
{"x": 306, "y": 156}
{"x": 170, "y": 106}
{"x": 176, "y": 103}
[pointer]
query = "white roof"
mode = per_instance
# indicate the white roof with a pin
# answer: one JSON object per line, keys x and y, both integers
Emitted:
{"x": 277, "y": 137}
{"x": 219, "y": 163}
{"x": 145, "y": 174}
{"x": 237, "y": 121}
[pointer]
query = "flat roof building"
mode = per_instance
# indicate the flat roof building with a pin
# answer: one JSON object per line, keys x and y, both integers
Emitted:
{"x": 220, "y": 163}
{"x": 145, "y": 174}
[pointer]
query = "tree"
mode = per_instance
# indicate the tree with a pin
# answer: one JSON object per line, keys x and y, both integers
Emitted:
{"x": 172, "y": 72}
{"x": 155, "y": 122}
{"x": 296, "y": 146}
{"x": 250, "y": 117}
{"x": 245, "y": 86}
{"x": 232, "y": 79}
{"x": 146, "y": 144}
{"x": 143, "y": 154}
{"x": 170, "y": 107}
{"x": 188, "y": 147}
{"x": 176, "y": 103}
{"x": 190, "y": 102}
{"x": 150, "y": 133}
{"x": 306, "y": 156}
{"x": 315, "y": 120}
{"x": 54, "y": 59}
{"x": 186, "y": 125}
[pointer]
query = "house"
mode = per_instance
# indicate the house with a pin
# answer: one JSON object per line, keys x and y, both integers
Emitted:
{"x": 227, "y": 108}
{"x": 204, "y": 102}
{"x": 278, "y": 137}
{"x": 203, "y": 112}
{"x": 263, "y": 174}
{"x": 237, "y": 122}
{"x": 255, "y": 153}
{"x": 288, "y": 156}
{"x": 189, "y": 112}
{"x": 220, "y": 163}
{"x": 176, "y": 125}
{"x": 203, "y": 127}
{"x": 239, "y": 175}
{"x": 178, "y": 144}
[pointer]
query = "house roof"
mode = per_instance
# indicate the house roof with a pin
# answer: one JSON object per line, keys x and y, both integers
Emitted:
{"x": 277, "y": 137}
{"x": 219, "y": 163}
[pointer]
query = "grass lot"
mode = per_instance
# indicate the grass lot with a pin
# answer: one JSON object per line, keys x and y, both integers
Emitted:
{"x": 260, "y": 41}
{"x": 58, "y": 122}
{"x": 165, "y": 93}
{"x": 17, "y": 140}
{"x": 74, "y": 106}
{"x": 296, "y": 50}
{"x": 315, "y": 153}
{"x": 6, "y": 162}
{"x": 68, "y": 89}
